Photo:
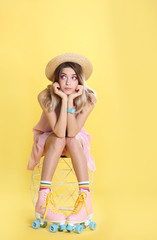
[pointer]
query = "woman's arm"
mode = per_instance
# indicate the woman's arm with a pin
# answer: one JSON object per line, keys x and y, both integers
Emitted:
{"x": 58, "y": 126}
{"x": 74, "y": 124}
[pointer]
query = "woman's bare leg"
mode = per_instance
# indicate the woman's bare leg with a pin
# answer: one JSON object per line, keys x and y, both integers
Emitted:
{"x": 53, "y": 149}
{"x": 78, "y": 158}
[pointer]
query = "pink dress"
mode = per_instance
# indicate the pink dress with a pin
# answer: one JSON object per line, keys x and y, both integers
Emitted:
{"x": 41, "y": 131}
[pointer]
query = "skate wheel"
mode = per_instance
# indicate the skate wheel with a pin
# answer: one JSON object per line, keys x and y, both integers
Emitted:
{"x": 53, "y": 228}
{"x": 43, "y": 225}
{"x": 69, "y": 228}
{"x": 79, "y": 228}
{"x": 62, "y": 227}
{"x": 36, "y": 224}
{"x": 92, "y": 225}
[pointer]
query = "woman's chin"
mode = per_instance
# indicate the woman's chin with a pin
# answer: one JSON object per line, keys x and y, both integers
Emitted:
{"x": 68, "y": 93}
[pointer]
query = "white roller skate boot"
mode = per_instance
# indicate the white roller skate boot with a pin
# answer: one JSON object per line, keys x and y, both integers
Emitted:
{"x": 81, "y": 216}
{"x": 45, "y": 211}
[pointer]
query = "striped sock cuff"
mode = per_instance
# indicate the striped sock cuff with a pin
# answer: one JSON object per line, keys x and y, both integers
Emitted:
{"x": 45, "y": 184}
{"x": 84, "y": 185}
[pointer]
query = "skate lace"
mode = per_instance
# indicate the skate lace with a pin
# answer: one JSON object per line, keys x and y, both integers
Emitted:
{"x": 80, "y": 202}
{"x": 49, "y": 204}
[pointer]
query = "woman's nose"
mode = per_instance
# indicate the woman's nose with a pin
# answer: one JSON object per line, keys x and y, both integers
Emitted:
{"x": 68, "y": 81}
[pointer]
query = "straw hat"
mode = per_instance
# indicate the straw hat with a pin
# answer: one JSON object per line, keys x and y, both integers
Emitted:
{"x": 69, "y": 57}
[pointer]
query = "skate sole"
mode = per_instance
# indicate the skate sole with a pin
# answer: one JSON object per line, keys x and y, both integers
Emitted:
{"x": 56, "y": 224}
{"x": 78, "y": 226}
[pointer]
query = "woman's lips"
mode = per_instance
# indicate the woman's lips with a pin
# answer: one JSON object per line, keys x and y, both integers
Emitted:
{"x": 68, "y": 88}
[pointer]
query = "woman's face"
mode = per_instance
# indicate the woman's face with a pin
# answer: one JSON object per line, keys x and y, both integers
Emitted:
{"x": 68, "y": 80}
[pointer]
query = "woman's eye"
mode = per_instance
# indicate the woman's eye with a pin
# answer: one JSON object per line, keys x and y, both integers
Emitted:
{"x": 62, "y": 76}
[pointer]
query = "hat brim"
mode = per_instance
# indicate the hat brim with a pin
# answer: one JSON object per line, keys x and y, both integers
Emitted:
{"x": 69, "y": 57}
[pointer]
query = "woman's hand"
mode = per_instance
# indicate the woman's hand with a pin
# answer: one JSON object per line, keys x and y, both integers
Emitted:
{"x": 78, "y": 92}
{"x": 57, "y": 91}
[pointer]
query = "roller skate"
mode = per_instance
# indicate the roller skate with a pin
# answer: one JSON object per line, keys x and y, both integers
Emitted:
{"x": 81, "y": 216}
{"x": 45, "y": 211}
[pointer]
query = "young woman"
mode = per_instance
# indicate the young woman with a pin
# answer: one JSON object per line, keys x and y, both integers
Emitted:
{"x": 66, "y": 105}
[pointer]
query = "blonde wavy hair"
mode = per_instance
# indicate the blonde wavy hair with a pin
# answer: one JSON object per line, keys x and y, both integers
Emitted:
{"x": 51, "y": 100}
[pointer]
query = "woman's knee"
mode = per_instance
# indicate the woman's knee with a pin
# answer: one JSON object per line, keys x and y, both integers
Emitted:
{"x": 59, "y": 142}
{"x": 73, "y": 142}
{"x": 54, "y": 142}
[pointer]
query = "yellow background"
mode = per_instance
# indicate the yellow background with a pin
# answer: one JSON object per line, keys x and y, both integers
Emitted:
{"x": 119, "y": 37}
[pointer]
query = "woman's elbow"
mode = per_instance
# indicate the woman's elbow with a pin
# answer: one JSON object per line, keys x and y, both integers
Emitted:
{"x": 72, "y": 134}
{"x": 59, "y": 135}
